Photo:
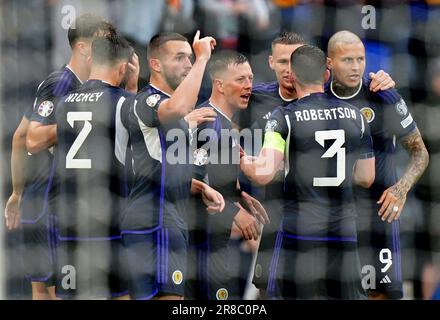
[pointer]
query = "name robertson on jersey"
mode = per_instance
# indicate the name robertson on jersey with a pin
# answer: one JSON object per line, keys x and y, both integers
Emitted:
{"x": 325, "y": 114}
{"x": 84, "y": 97}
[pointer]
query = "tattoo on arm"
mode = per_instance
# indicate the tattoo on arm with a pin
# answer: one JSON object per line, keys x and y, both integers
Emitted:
{"x": 414, "y": 144}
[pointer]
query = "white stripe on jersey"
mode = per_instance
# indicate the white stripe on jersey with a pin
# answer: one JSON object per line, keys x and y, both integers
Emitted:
{"x": 151, "y": 137}
{"x": 363, "y": 126}
{"x": 121, "y": 133}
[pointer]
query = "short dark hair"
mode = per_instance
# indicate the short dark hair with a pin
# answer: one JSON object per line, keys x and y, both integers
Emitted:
{"x": 309, "y": 65}
{"x": 158, "y": 40}
{"x": 88, "y": 26}
{"x": 110, "y": 50}
{"x": 287, "y": 37}
{"x": 221, "y": 60}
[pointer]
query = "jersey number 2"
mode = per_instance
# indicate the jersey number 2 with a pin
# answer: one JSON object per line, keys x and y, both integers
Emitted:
{"x": 335, "y": 149}
{"x": 72, "y": 163}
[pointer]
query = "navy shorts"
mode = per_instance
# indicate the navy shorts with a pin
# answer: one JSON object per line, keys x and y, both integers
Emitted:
{"x": 314, "y": 269}
{"x": 38, "y": 250}
{"x": 267, "y": 244}
{"x": 91, "y": 269}
{"x": 379, "y": 249}
{"x": 157, "y": 262}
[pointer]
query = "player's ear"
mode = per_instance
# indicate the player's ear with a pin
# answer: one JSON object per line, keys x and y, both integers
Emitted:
{"x": 329, "y": 63}
{"x": 155, "y": 65}
{"x": 326, "y": 75}
{"x": 218, "y": 83}
{"x": 271, "y": 63}
{"x": 83, "y": 48}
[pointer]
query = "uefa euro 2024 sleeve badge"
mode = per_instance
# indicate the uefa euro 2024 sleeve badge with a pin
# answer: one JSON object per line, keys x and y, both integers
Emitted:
{"x": 153, "y": 100}
{"x": 45, "y": 109}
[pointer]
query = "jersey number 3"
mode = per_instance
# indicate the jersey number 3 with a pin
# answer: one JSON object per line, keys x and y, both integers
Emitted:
{"x": 335, "y": 149}
{"x": 72, "y": 163}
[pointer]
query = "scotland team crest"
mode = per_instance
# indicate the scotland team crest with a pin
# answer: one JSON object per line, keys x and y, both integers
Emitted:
{"x": 153, "y": 100}
{"x": 368, "y": 114}
{"x": 222, "y": 294}
{"x": 46, "y": 108}
{"x": 177, "y": 277}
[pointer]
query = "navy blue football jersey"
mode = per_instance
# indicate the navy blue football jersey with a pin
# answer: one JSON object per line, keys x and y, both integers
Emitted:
{"x": 161, "y": 166}
{"x": 38, "y": 190}
{"x": 389, "y": 118}
{"x": 217, "y": 160}
{"x": 265, "y": 98}
{"x": 91, "y": 156}
{"x": 324, "y": 137}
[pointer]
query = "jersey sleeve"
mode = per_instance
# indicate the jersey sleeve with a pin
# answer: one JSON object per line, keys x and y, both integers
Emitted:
{"x": 366, "y": 150}
{"x": 44, "y": 104}
{"x": 397, "y": 115}
{"x": 146, "y": 109}
{"x": 276, "y": 131}
{"x": 125, "y": 110}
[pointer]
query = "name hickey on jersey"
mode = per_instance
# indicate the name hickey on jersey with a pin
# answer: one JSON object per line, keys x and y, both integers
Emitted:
{"x": 325, "y": 114}
{"x": 84, "y": 97}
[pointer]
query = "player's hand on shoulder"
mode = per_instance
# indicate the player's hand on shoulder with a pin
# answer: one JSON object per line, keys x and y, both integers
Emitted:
{"x": 197, "y": 116}
{"x": 381, "y": 81}
{"x": 203, "y": 47}
{"x": 12, "y": 212}
{"x": 248, "y": 224}
{"x": 255, "y": 207}
{"x": 133, "y": 70}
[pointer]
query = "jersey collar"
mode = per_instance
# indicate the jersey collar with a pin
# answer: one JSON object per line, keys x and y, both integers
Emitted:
{"x": 349, "y": 97}
{"x": 169, "y": 96}
{"x": 219, "y": 111}
{"x": 281, "y": 96}
{"x": 68, "y": 67}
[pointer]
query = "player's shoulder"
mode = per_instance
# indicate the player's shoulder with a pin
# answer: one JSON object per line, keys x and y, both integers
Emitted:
{"x": 203, "y": 104}
{"x": 206, "y": 124}
{"x": 265, "y": 88}
{"x": 150, "y": 95}
{"x": 389, "y": 96}
{"x": 58, "y": 83}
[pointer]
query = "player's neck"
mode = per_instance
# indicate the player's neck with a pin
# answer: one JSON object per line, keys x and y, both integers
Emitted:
{"x": 79, "y": 68}
{"x": 217, "y": 101}
{"x": 161, "y": 84}
{"x": 287, "y": 94}
{"x": 343, "y": 91}
{"x": 302, "y": 92}
{"x": 104, "y": 74}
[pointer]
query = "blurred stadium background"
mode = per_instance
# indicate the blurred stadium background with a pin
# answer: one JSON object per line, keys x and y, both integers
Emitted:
{"x": 405, "y": 43}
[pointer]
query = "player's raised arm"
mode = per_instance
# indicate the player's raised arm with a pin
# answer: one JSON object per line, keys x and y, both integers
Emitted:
{"x": 184, "y": 98}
